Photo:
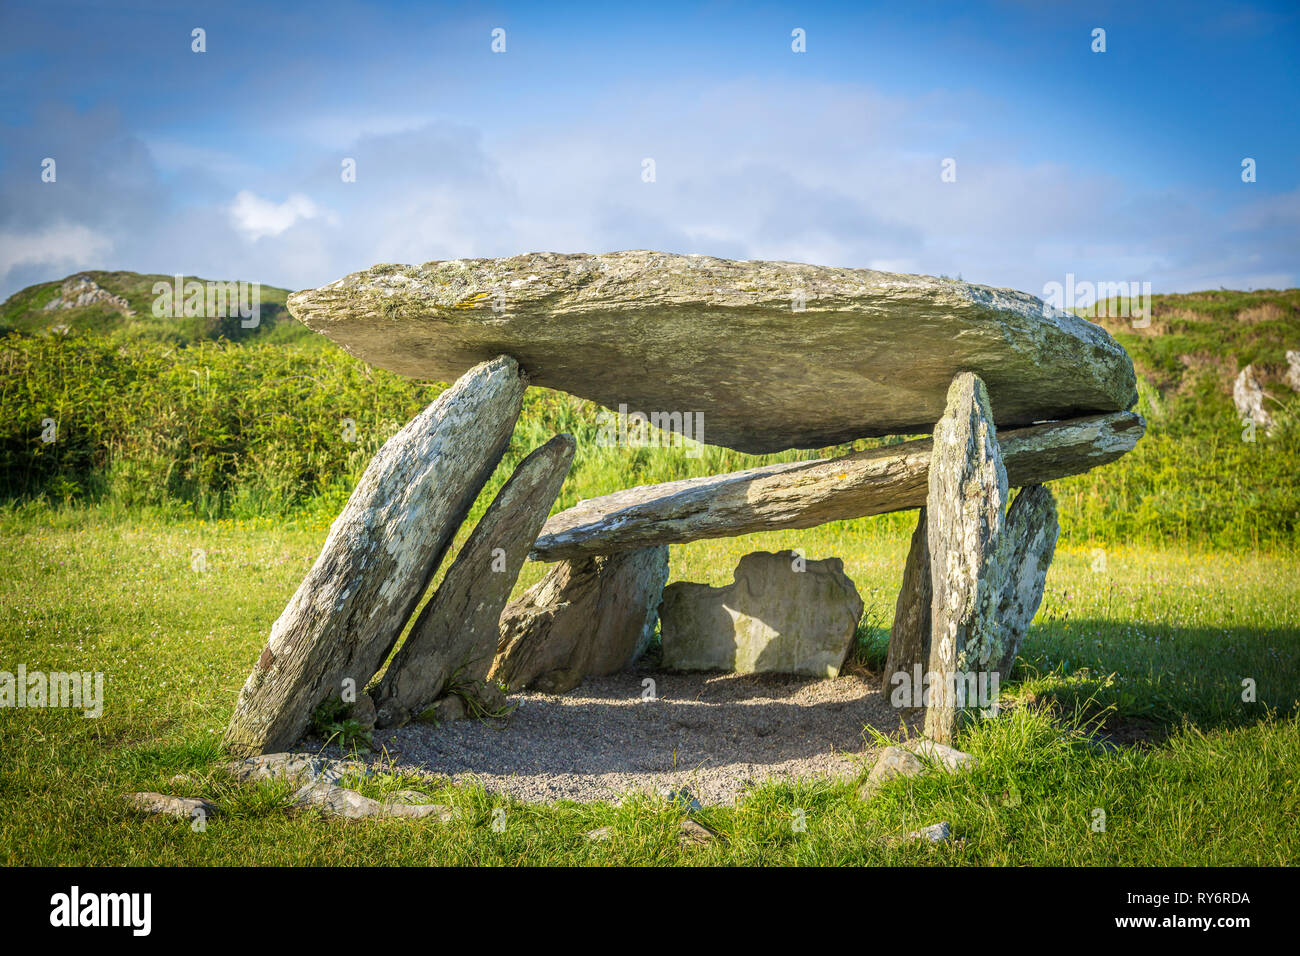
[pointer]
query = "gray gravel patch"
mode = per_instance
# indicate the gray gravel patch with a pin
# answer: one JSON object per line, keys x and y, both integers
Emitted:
{"x": 714, "y": 734}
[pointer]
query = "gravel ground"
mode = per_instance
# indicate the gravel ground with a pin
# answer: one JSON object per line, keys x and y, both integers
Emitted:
{"x": 713, "y": 734}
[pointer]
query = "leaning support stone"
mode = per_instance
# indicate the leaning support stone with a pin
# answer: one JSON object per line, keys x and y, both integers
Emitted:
{"x": 590, "y": 617}
{"x": 456, "y": 634}
{"x": 804, "y": 494}
{"x": 381, "y": 552}
{"x": 965, "y": 513}
{"x": 909, "y": 638}
{"x": 1025, "y": 551}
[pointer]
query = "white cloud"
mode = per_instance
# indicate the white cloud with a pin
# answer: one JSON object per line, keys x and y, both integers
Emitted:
{"x": 65, "y": 247}
{"x": 825, "y": 173}
{"x": 256, "y": 217}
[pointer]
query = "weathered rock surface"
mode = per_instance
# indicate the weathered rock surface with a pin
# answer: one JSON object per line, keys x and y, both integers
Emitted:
{"x": 934, "y": 833}
{"x": 1293, "y": 370}
{"x": 948, "y": 759}
{"x": 807, "y": 494}
{"x": 456, "y": 634}
{"x": 1016, "y": 569}
{"x": 81, "y": 290}
{"x": 964, "y": 514}
{"x": 772, "y": 618}
{"x": 346, "y": 804}
{"x": 1024, "y": 553}
{"x": 296, "y": 767}
{"x": 909, "y": 637}
{"x": 363, "y": 712}
{"x": 693, "y": 833}
{"x": 381, "y": 552}
{"x": 1249, "y": 397}
{"x": 444, "y": 710}
{"x": 162, "y": 804}
{"x": 773, "y": 354}
{"x": 893, "y": 762}
{"x": 589, "y": 617}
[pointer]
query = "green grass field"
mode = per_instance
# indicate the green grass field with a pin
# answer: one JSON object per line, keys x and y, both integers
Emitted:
{"x": 1158, "y": 690}
{"x": 1150, "y": 653}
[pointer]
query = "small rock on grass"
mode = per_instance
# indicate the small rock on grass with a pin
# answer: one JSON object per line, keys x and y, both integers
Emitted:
{"x": 347, "y": 804}
{"x": 161, "y": 804}
{"x": 939, "y": 832}
{"x": 905, "y": 760}
{"x": 950, "y": 758}
{"x": 892, "y": 762}
{"x": 693, "y": 833}
{"x": 600, "y": 834}
{"x": 935, "y": 833}
{"x": 291, "y": 766}
{"x": 682, "y": 797}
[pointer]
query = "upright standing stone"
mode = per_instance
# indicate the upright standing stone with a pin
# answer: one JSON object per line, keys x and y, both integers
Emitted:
{"x": 965, "y": 513}
{"x": 456, "y": 633}
{"x": 781, "y": 614}
{"x": 1024, "y": 554}
{"x": 909, "y": 638}
{"x": 588, "y": 617}
{"x": 381, "y": 552}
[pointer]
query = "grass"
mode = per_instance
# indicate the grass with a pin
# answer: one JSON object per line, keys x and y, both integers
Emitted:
{"x": 1153, "y": 649}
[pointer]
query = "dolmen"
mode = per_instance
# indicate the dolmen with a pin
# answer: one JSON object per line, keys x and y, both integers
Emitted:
{"x": 754, "y": 356}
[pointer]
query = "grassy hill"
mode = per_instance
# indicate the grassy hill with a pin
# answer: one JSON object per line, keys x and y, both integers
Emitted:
{"x": 1197, "y": 342}
{"x": 38, "y": 309}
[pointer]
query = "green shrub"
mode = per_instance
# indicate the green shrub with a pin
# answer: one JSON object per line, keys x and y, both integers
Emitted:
{"x": 219, "y": 429}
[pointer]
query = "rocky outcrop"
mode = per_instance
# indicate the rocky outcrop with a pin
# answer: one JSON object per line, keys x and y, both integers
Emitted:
{"x": 81, "y": 290}
{"x": 807, "y": 494}
{"x": 455, "y": 636}
{"x": 781, "y": 614}
{"x": 589, "y": 617}
{"x": 1250, "y": 398}
{"x": 379, "y": 557}
{"x": 773, "y": 355}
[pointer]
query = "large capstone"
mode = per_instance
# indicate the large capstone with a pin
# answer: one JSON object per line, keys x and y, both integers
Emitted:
{"x": 768, "y": 355}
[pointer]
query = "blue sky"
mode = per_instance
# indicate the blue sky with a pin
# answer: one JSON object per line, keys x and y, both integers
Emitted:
{"x": 1115, "y": 166}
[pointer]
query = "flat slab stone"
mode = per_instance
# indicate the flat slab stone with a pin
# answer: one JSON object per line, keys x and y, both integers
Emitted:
{"x": 804, "y": 494}
{"x": 774, "y": 355}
